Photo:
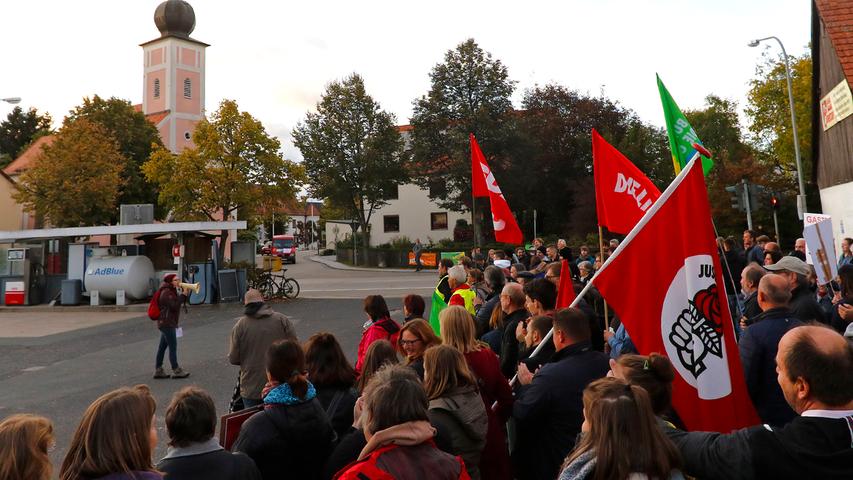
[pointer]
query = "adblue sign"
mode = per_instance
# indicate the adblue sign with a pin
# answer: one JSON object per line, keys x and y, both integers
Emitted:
{"x": 106, "y": 271}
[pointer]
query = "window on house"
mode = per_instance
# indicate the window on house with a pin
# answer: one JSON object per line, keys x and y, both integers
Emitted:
{"x": 438, "y": 221}
{"x": 392, "y": 223}
{"x": 188, "y": 88}
{"x": 156, "y": 88}
{"x": 437, "y": 188}
{"x": 393, "y": 192}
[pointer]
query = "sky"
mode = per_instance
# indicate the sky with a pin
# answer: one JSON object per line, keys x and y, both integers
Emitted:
{"x": 276, "y": 58}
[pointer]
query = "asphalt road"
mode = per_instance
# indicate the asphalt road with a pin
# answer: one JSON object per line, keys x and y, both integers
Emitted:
{"x": 58, "y": 376}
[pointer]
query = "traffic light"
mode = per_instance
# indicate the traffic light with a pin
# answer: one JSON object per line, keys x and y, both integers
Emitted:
{"x": 737, "y": 196}
{"x": 757, "y": 193}
{"x": 774, "y": 202}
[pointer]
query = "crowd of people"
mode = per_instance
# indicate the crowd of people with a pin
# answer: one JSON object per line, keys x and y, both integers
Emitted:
{"x": 488, "y": 393}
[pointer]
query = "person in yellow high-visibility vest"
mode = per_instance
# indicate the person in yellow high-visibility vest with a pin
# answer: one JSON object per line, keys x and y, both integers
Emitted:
{"x": 460, "y": 292}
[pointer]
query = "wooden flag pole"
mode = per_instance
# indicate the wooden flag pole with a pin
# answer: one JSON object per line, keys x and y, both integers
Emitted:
{"x": 601, "y": 253}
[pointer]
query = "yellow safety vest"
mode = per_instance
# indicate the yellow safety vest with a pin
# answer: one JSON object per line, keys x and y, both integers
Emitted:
{"x": 468, "y": 296}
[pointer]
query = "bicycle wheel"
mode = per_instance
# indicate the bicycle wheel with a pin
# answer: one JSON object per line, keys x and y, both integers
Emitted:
{"x": 291, "y": 288}
{"x": 267, "y": 288}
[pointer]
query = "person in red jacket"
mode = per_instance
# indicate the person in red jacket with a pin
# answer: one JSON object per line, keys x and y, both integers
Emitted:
{"x": 171, "y": 297}
{"x": 379, "y": 326}
{"x": 457, "y": 331}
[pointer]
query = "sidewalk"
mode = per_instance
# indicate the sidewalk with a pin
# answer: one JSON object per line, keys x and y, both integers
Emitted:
{"x": 330, "y": 262}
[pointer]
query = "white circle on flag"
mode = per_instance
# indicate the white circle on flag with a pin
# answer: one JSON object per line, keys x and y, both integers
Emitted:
{"x": 692, "y": 328}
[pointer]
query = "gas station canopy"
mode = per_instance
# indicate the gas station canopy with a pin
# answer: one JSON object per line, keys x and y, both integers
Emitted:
{"x": 138, "y": 229}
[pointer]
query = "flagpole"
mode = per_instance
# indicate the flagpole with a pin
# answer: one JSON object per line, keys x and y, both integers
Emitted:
{"x": 601, "y": 253}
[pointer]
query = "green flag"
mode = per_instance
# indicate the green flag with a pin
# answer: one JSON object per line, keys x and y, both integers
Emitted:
{"x": 681, "y": 134}
{"x": 437, "y": 306}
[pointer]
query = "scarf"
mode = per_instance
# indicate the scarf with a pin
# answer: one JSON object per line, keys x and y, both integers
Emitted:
{"x": 282, "y": 394}
{"x": 580, "y": 468}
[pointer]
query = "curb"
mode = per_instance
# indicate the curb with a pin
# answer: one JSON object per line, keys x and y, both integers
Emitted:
{"x": 329, "y": 262}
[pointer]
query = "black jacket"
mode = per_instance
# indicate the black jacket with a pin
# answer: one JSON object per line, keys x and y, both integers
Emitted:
{"x": 804, "y": 306}
{"x": 338, "y": 402}
{"x": 807, "y": 448}
{"x": 218, "y": 465}
{"x": 534, "y": 362}
{"x": 484, "y": 314}
{"x": 758, "y": 347}
{"x": 444, "y": 288}
{"x": 287, "y": 441}
{"x": 751, "y": 309}
{"x": 509, "y": 344}
{"x": 549, "y": 412}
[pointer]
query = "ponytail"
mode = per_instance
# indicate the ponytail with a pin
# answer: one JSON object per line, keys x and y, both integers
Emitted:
{"x": 286, "y": 364}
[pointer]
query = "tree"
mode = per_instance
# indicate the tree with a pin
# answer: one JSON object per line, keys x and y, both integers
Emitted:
{"x": 470, "y": 93}
{"x": 135, "y": 136}
{"x": 353, "y": 152}
{"x": 234, "y": 165}
{"x": 769, "y": 112}
{"x": 76, "y": 180}
{"x": 19, "y": 130}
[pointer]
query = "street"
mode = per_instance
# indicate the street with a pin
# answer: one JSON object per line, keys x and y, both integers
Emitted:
{"x": 59, "y": 375}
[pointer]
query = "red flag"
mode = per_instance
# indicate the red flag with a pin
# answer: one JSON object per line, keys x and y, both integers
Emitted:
{"x": 566, "y": 291}
{"x": 506, "y": 230}
{"x": 679, "y": 307}
{"x": 478, "y": 180}
{"x": 622, "y": 192}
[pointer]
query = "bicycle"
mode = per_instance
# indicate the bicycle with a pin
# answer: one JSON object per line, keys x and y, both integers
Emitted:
{"x": 276, "y": 286}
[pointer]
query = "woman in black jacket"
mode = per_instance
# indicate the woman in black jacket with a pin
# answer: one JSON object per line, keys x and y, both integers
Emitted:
{"x": 170, "y": 298}
{"x": 334, "y": 379}
{"x": 292, "y": 436}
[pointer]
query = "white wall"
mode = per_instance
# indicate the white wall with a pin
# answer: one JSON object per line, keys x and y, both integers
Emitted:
{"x": 837, "y": 202}
{"x": 414, "y": 209}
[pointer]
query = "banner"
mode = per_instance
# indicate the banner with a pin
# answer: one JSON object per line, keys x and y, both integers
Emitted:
{"x": 681, "y": 134}
{"x": 810, "y": 219}
{"x": 679, "y": 308}
{"x": 622, "y": 192}
{"x": 506, "y": 228}
{"x": 819, "y": 240}
{"x": 428, "y": 259}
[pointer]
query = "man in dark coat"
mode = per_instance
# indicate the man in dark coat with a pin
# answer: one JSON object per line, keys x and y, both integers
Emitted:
{"x": 814, "y": 373}
{"x": 512, "y": 303}
{"x": 495, "y": 280}
{"x": 750, "y": 278}
{"x": 548, "y": 409}
{"x": 803, "y": 304}
{"x": 758, "y": 348}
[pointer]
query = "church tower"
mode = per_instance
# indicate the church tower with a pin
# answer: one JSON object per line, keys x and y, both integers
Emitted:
{"x": 173, "y": 83}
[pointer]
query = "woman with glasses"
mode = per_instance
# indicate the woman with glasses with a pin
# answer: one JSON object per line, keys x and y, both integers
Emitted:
{"x": 415, "y": 337}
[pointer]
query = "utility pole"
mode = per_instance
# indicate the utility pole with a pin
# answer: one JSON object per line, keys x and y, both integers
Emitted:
{"x": 746, "y": 203}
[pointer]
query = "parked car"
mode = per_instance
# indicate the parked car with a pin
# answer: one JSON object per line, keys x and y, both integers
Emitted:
{"x": 283, "y": 246}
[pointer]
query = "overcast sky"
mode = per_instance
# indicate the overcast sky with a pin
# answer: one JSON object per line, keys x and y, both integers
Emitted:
{"x": 275, "y": 58}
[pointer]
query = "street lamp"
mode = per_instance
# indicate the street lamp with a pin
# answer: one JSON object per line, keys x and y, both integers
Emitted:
{"x": 801, "y": 198}
{"x": 12, "y": 100}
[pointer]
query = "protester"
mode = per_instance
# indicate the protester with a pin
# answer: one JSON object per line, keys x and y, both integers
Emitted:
{"x": 398, "y": 437}
{"x": 799, "y": 249}
{"x": 171, "y": 297}
{"x": 547, "y": 427}
{"x": 537, "y": 328}
{"x": 619, "y": 342}
{"x": 771, "y": 257}
{"x": 292, "y": 436}
{"x": 584, "y": 256}
{"x": 417, "y": 248}
{"x": 458, "y": 332}
{"x": 333, "y": 378}
{"x": 415, "y": 338}
{"x": 115, "y": 438}
{"x": 193, "y": 451}
{"x": 24, "y": 443}
{"x": 379, "y": 326}
{"x": 732, "y": 264}
{"x": 522, "y": 257}
{"x": 585, "y": 269}
{"x": 495, "y": 281}
{"x": 413, "y": 307}
{"x": 478, "y": 285}
{"x": 443, "y": 285}
{"x": 514, "y": 270}
{"x": 251, "y": 337}
{"x": 494, "y": 337}
{"x": 749, "y": 286}
{"x": 380, "y": 353}
{"x": 460, "y": 292}
{"x": 752, "y": 252}
{"x": 540, "y": 299}
{"x": 612, "y": 246}
{"x": 814, "y": 364}
{"x": 620, "y": 439}
{"x": 455, "y": 404}
{"x": 564, "y": 251}
{"x": 552, "y": 273}
{"x": 803, "y": 304}
{"x": 655, "y": 374}
{"x": 842, "y": 313}
{"x": 846, "y": 257}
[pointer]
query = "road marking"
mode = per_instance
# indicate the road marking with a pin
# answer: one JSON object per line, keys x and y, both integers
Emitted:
{"x": 34, "y": 369}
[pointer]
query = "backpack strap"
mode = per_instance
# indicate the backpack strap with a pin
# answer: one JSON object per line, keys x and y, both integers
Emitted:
{"x": 333, "y": 405}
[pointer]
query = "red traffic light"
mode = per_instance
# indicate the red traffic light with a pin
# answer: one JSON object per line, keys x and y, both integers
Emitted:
{"x": 774, "y": 201}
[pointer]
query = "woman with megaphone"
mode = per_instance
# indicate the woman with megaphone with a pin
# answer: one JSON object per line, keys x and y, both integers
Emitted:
{"x": 170, "y": 298}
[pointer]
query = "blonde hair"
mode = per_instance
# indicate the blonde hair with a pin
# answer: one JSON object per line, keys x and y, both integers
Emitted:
{"x": 113, "y": 436}
{"x": 458, "y": 330}
{"x": 445, "y": 369}
{"x": 24, "y": 441}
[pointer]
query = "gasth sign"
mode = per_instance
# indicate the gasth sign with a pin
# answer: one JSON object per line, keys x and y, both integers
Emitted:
{"x": 105, "y": 271}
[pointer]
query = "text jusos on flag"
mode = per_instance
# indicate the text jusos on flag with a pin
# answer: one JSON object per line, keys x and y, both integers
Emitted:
{"x": 483, "y": 184}
{"x": 679, "y": 308}
{"x": 622, "y": 192}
